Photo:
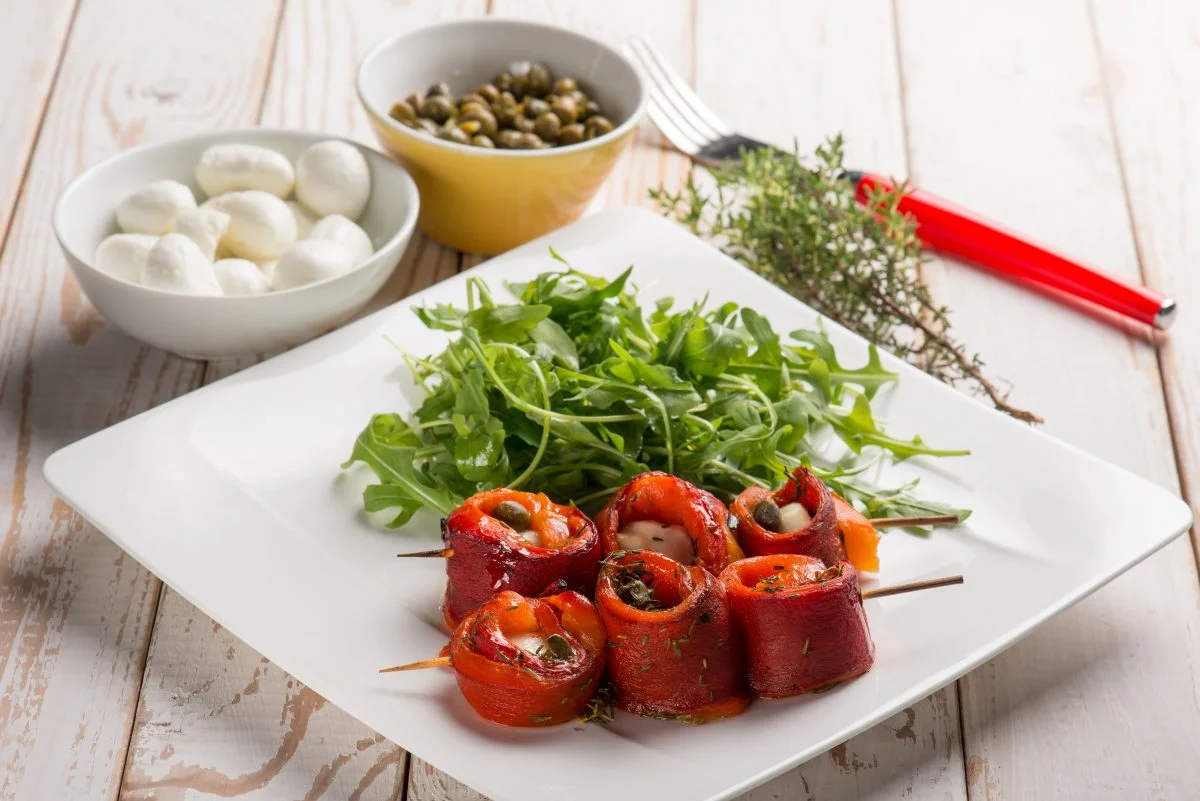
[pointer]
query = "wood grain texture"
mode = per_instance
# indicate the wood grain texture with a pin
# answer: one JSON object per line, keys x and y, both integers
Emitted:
{"x": 1151, "y": 63}
{"x": 1009, "y": 118}
{"x": 216, "y": 719}
{"x": 75, "y": 612}
{"x": 31, "y": 46}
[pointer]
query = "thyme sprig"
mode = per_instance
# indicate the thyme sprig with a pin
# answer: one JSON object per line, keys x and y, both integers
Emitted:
{"x": 795, "y": 221}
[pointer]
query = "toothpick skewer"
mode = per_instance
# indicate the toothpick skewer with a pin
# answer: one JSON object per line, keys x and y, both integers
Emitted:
{"x": 443, "y": 553}
{"x": 911, "y": 522}
{"x": 441, "y": 661}
{"x": 928, "y": 584}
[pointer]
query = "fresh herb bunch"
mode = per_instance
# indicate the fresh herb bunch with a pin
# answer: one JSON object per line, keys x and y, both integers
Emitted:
{"x": 575, "y": 389}
{"x": 795, "y": 221}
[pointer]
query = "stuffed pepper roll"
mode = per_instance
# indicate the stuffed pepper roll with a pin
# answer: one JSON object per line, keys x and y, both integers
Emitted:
{"x": 803, "y": 623}
{"x": 659, "y": 512}
{"x": 529, "y": 661}
{"x": 521, "y": 541}
{"x": 799, "y": 517}
{"x": 672, "y": 648}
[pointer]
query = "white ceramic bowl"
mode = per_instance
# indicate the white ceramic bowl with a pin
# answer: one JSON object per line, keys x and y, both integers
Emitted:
{"x": 216, "y": 327}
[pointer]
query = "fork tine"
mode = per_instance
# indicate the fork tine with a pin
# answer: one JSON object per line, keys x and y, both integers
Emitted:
{"x": 679, "y": 92}
{"x": 684, "y": 142}
{"x": 670, "y": 103}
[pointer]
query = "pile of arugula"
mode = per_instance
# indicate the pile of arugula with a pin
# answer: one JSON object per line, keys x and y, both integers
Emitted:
{"x": 576, "y": 388}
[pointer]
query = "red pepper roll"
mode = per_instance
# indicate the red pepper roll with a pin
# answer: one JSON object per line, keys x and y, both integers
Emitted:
{"x": 684, "y": 513}
{"x": 529, "y": 661}
{"x": 803, "y": 623}
{"x": 520, "y": 541}
{"x": 818, "y": 537}
{"x": 672, "y": 647}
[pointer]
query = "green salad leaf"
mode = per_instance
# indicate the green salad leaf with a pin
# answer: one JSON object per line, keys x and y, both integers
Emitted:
{"x": 575, "y": 388}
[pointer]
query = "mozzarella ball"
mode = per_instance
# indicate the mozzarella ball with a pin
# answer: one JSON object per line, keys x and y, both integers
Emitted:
{"x": 340, "y": 229}
{"x": 154, "y": 208}
{"x": 650, "y": 535}
{"x": 531, "y": 643}
{"x": 309, "y": 261}
{"x": 234, "y": 168}
{"x": 267, "y": 268}
{"x": 793, "y": 517}
{"x": 205, "y": 227}
{"x": 124, "y": 255}
{"x": 332, "y": 178}
{"x": 176, "y": 263}
{"x": 240, "y": 277}
{"x": 262, "y": 226}
{"x": 304, "y": 219}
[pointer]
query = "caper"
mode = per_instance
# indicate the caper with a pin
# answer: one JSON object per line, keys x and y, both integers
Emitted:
{"x": 403, "y": 113}
{"x": 520, "y": 86}
{"x": 530, "y": 141}
{"x": 523, "y": 124}
{"x": 535, "y": 107}
{"x": 538, "y": 80}
{"x": 597, "y": 126}
{"x": 564, "y": 85}
{"x": 479, "y": 140}
{"x": 416, "y": 100}
{"x": 571, "y": 134}
{"x": 507, "y": 98}
{"x": 428, "y": 126}
{"x": 472, "y": 108}
{"x": 488, "y": 92}
{"x": 454, "y": 135}
{"x": 487, "y": 121}
{"x": 439, "y": 89}
{"x": 547, "y": 126}
{"x": 438, "y": 108}
{"x": 469, "y": 127}
{"x": 766, "y": 514}
{"x": 566, "y": 110}
{"x": 503, "y": 82}
{"x": 591, "y": 109}
{"x": 472, "y": 97}
{"x": 513, "y": 514}
{"x": 508, "y": 139}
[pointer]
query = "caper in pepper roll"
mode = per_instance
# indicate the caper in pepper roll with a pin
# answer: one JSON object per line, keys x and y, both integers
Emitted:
{"x": 529, "y": 109}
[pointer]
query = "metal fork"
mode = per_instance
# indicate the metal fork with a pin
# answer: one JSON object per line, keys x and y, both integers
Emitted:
{"x": 693, "y": 128}
{"x": 682, "y": 117}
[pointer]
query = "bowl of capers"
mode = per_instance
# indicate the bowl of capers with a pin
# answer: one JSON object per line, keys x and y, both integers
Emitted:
{"x": 509, "y": 128}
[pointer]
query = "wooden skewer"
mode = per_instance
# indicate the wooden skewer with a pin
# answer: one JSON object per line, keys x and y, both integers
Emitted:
{"x": 443, "y": 553}
{"x": 910, "y": 522}
{"x": 441, "y": 661}
{"x": 928, "y": 584}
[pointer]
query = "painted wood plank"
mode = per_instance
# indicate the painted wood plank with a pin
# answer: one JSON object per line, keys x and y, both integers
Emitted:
{"x": 31, "y": 46}
{"x": 1151, "y": 64}
{"x": 216, "y": 719}
{"x": 75, "y": 612}
{"x": 1009, "y": 118}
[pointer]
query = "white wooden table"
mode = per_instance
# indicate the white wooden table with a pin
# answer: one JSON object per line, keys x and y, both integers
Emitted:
{"x": 1076, "y": 121}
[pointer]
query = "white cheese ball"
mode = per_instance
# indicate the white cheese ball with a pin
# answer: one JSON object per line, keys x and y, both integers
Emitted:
{"x": 344, "y": 231}
{"x": 793, "y": 517}
{"x": 124, "y": 255}
{"x": 262, "y": 226}
{"x": 240, "y": 277}
{"x": 205, "y": 227}
{"x": 154, "y": 208}
{"x": 175, "y": 263}
{"x": 267, "y": 268}
{"x": 650, "y": 535}
{"x": 304, "y": 220}
{"x": 309, "y": 261}
{"x": 332, "y": 178}
{"x": 234, "y": 168}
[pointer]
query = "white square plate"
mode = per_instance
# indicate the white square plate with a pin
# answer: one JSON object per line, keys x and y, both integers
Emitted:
{"x": 233, "y": 496}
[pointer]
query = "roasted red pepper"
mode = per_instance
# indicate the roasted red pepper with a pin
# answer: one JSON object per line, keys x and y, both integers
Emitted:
{"x": 672, "y": 648}
{"x": 803, "y": 623}
{"x": 820, "y": 538}
{"x": 490, "y": 555}
{"x": 535, "y": 685}
{"x": 859, "y": 537}
{"x": 671, "y": 501}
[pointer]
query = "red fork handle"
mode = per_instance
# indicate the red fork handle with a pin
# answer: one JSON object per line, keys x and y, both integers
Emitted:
{"x": 949, "y": 229}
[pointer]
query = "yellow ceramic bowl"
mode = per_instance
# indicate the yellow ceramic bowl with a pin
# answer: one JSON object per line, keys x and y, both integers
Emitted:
{"x": 488, "y": 201}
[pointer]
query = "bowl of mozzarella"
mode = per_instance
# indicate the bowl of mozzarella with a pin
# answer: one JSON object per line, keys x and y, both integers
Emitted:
{"x": 238, "y": 242}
